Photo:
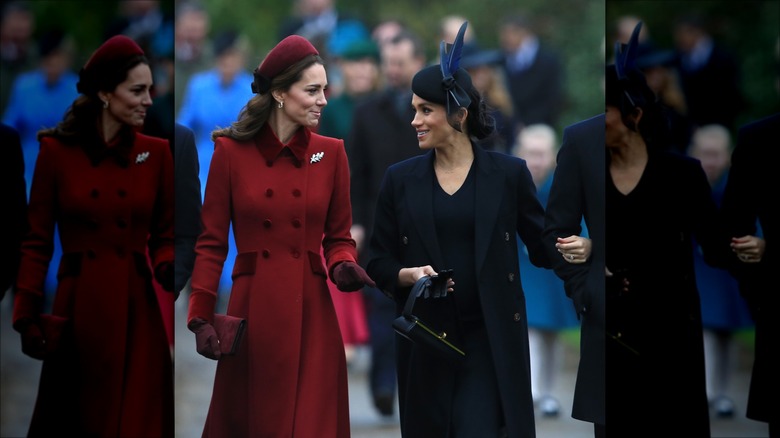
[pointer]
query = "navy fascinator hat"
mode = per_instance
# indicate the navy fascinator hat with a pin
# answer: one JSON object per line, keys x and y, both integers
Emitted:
{"x": 624, "y": 73}
{"x": 447, "y": 82}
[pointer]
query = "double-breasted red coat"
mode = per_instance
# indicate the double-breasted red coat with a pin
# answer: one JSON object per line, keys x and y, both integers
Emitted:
{"x": 113, "y": 374}
{"x": 286, "y": 203}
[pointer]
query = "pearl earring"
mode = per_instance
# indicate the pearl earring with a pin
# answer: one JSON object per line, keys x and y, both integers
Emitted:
{"x": 281, "y": 104}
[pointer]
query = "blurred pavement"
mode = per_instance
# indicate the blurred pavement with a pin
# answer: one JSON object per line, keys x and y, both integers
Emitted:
{"x": 194, "y": 378}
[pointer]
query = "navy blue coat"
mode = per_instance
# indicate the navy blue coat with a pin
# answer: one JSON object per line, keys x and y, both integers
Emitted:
{"x": 577, "y": 192}
{"x": 405, "y": 236}
{"x": 749, "y": 196}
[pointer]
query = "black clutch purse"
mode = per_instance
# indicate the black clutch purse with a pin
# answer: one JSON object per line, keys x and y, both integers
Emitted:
{"x": 412, "y": 328}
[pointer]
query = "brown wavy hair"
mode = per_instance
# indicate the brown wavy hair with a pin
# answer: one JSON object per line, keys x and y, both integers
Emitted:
{"x": 257, "y": 110}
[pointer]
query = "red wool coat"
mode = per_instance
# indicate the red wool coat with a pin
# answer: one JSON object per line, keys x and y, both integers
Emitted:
{"x": 289, "y": 378}
{"x": 113, "y": 375}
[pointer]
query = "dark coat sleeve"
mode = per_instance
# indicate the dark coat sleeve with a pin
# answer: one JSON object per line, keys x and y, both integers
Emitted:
{"x": 745, "y": 200}
{"x": 569, "y": 201}
{"x": 188, "y": 204}
{"x": 14, "y": 197}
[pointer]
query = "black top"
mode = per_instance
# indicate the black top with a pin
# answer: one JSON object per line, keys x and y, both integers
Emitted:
{"x": 454, "y": 218}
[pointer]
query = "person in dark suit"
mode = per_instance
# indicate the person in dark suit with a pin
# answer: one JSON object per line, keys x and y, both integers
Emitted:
{"x": 380, "y": 136}
{"x": 460, "y": 207}
{"x": 534, "y": 74}
{"x": 109, "y": 191}
{"x": 755, "y": 261}
{"x": 704, "y": 66}
{"x": 188, "y": 204}
{"x": 577, "y": 192}
{"x": 14, "y": 198}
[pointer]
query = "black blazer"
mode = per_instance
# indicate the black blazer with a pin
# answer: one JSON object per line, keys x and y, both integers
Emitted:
{"x": 188, "y": 204}
{"x": 14, "y": 202}
{"x": 405, "y": 236}
{"x": 748, "y": 196}
{"x": 577, "y": 191}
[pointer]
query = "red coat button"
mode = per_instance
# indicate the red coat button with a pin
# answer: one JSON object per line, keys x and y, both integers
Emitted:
{"x": 297, "y": 193}
{"x": 267, "y": 223}
{"x": 296, "y": 223}
{"x": 266, "y": 253}
{"x": 269, "y": 193}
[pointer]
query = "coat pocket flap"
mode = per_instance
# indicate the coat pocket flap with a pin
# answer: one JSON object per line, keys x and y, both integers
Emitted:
{"x": 245, "y": 264}
{"x": 317, "y": 264}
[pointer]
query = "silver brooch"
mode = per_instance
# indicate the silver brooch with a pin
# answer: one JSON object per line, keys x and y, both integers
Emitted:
{"x": 140, "y": 158}
{"x": 315, "y": 158}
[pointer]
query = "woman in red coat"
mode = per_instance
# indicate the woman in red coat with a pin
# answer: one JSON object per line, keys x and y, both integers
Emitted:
{"x": 107, "y": 370}
{"x": 285, "y": 189}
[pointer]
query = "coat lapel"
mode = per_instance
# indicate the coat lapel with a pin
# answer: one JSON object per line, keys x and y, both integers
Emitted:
{"x": 490, "y": 191}
{"x": 419, "y": 201}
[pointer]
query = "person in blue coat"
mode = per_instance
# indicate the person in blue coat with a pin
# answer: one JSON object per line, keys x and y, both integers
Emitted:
{"x": 549, "y": 310}
{"x": 213, "y": 100}
{"x": 38, "y": 100}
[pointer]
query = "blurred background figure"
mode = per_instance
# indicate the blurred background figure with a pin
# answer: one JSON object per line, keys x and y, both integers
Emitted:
{"x": 723, "y": 310}
{"x": 448, "y": 30}
{"x": 212, "y": 100}
{"x": 39, "y": 97}
{"x": 487, "y": 75}
{"x": 535, "y": 74}
{"x": 548, "y": 308}
{"x": 385, "y": 30}
{"x": 381, "y": 135}
{"x": 17, "y": 48}
{"x": 192, "y": 47}
{"x": 710, "y": 75}
{"x": 329, "y": 28}
{"x": 625, "y": 25}
{"x": 359, "y": 66}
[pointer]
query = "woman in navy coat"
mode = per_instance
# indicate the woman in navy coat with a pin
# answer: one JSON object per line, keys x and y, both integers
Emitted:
{"x": 109, "y": 190}
{"x": 459, "y": 207}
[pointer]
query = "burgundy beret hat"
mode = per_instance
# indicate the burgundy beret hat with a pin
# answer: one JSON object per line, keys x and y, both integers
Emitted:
{"x": 289, "y": 51}
{"x": 109, "y": 57}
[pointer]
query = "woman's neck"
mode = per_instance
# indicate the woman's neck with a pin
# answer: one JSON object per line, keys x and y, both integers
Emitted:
{"x": 455, "y": 156}
{"x": 108, "y": 127}
{"x": 282, "y": 127}
{"x": 632, "y": 153}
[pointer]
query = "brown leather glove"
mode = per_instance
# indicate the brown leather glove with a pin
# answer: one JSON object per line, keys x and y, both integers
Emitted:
{"x": 206, "y": 340}
{"x": 33, "y": 343}
{"x": 349, "y": 277}
{"x": 164, "y": 274}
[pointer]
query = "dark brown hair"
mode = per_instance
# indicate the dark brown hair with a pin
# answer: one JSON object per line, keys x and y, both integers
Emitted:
{"x": 255, "y": 113}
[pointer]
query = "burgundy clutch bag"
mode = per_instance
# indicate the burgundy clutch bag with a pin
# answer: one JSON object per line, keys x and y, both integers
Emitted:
{"x": 230, "y": 330}
{"x": 54, "y": 331}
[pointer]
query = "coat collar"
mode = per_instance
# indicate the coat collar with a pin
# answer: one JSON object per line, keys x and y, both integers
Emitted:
{"x": 270, "y": 146}
{"x": 419, "y": 198}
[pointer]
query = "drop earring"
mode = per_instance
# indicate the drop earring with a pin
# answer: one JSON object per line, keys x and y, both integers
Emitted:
{"x": 105, "y": 104}
{"x": 281, "y": 104}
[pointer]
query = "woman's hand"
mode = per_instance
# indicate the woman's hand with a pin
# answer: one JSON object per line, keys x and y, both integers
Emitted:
{"x": 574, "y": 249}
{"x": 749, "y": 249}
{"x": 407, "y": 277}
